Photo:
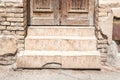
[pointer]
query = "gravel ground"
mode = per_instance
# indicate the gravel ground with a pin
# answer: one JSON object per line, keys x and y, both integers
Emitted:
{"x": 51, "y": 74}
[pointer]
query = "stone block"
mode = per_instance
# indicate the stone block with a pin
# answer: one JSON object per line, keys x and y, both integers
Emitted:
{"x": 14, "y": 10}
{"x": 5, "y": 32}
{"x": 61, "y": 43}
{"x": 59, "y": 59}
{"x": 15, "y": 5}
{"x": 103, "y": 41}
{"x": 116, "y": 12}
{"x": 17, "y": 24}
{"x": 7, "y": 45}
{"x": 2, "y": 10}
{"x": 5, "y": 23}
{"x": 20, "y": 33}
{"x": 14, "y": 1}
{"x": 20, "y": 37}
{"x": 15, "y": 19}
{"x": 2, "y": 27}
{"x": 14, "y": 28}
{"x": 85, "y": 61}
{"x": 106, "y": 26}
{"x": 20, "y": 45}
{"x": 103, "y": 14}
{"x": 10, "y": 15}
{"x": 61, "y": 31}
{"x": 1, "y": 18}
{"x": 2, "y": 4}
{"x": 18, "y": 15}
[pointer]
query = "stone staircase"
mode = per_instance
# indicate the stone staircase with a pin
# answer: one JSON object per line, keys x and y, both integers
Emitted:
{"x": 60, "y": 47}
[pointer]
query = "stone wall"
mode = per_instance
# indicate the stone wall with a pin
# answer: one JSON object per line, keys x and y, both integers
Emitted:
{"x": 107, "y": 10}
{"x": 12, "y": 29}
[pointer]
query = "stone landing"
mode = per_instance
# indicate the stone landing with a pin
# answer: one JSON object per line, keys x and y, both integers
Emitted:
{"x": 60, "y": 47}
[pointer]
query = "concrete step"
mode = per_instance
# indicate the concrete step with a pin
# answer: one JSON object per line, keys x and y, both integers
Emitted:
{"x": 61, "y": 31}
{"x": 60, "y": 43}
{"x": 59, "y": 59}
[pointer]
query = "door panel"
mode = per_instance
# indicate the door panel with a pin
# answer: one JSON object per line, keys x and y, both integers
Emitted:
{"x": 77, "y": 12}
{"x": 62, "y": 12}
{"x": 42, "y": 6}
{"x": 44, "y": 12}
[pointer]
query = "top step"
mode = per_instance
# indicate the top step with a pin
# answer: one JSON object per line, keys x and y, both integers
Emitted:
{"x": 61, "y": 31}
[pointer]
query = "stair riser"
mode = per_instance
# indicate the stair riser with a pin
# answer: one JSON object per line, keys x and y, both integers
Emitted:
{"x": 60, "y": 44}
{"x": 61, "y": 32}
{"x": 76, "y": 62}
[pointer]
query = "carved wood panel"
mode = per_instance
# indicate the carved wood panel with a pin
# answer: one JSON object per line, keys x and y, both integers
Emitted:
{"x": 77, "y": 12}
{"x": 44, "y": 12}
{"x": 62, "y": 12}
{"x": 79, "y": 5}
{"x": 42, "y": 5}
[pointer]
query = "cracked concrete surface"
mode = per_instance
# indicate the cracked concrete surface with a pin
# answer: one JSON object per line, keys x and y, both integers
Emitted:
{"x": 51, "y": 74}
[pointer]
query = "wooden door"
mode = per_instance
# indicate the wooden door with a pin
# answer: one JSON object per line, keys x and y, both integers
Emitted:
{"x": 62, "y": 12}
{"x": 77, "y": 12}
{"x": 44, "y": 12}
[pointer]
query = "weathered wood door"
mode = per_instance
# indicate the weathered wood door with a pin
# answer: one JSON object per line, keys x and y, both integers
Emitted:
{"x": 44, "y": 12}
{"x": 62, "y": 12}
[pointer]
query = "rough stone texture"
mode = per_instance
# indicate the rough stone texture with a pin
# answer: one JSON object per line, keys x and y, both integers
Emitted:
{"x": 61, "y": 31}
{"x": 112, "y": 55}
{"x": 116, "y": 12}
{"x": 7, "y": 45}
{"x": 58, "y": 74}
{"x": 107, "y": 10}
{"x": 118, "y": 45}
{"x": 61, "y": 43}
{"x": 7, "y": 60}
{"x": 59, "y": 59}
{"x": 12, "y": 19}
{"x": 12, "y": 22}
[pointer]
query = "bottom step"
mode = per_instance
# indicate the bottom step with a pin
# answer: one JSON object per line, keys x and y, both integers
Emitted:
{"x": 59, "y": 59}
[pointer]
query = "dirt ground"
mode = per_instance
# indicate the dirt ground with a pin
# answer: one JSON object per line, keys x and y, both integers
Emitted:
{"x": 59, "y": 74}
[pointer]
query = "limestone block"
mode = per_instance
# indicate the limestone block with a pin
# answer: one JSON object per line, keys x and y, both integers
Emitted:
{"x": 112, "y": 54}
{"x": 109, "y": 2}
{"x": 113, "y": 57}
{"x": 104, "y": 41}
{"x": 1, "y": 19}
{"x": 5, "y": 32}
{"x": 61, "y": 31}
{"x": 12, "y": 0}
{"x": 60, "y": 43}
{"x": 20, "y": 33}
{"x": 2, "y": 10}
{"x": 17, "y": 24}
{"x": 116, "y": 12}
{"x": 92, "y": 61}
{"x": 2, "y": 4}
{"x": 14, "y": 28}
{"x": 102, "y": 14}
{"x": 7, "y": 45}
{"x": 59, "y": 59}
{"x": 14, "y": 10}
{"x": 15, "y": 19}
{"x": 5, "y": 23}
{"x": 2, "y": 27}
{"x": 118, "y": 60}
{"x": 106, "y": 25}
{"x": 18, "y": 15}
{"x": 16, "y": 5}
